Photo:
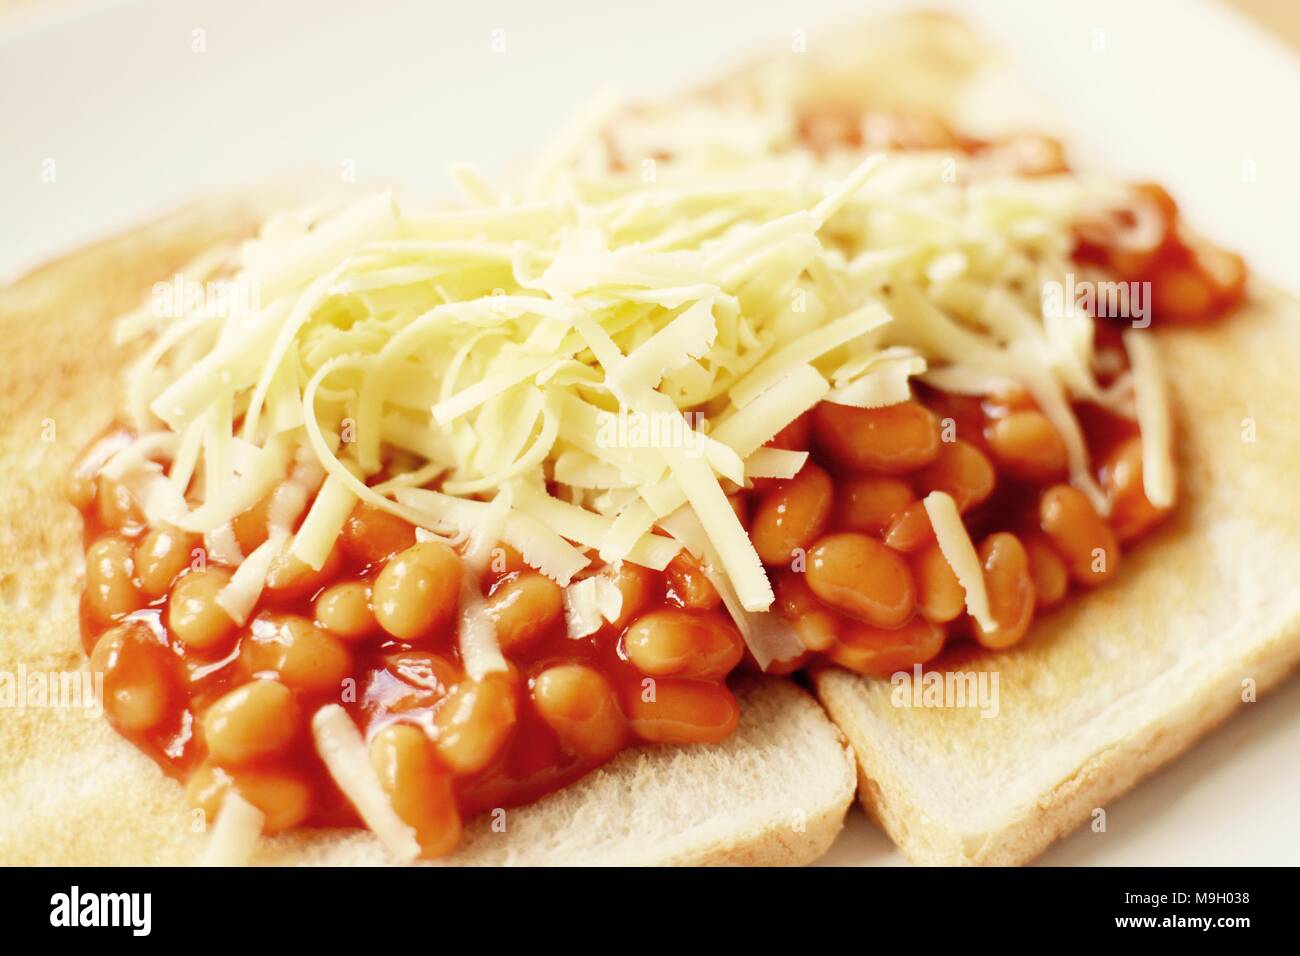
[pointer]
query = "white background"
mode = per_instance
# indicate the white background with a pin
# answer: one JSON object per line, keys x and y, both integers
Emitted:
{"x": 135, "y": 121}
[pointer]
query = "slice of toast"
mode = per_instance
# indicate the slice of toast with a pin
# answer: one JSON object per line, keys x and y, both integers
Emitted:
{"x": 1202, "y": 617}
{"x": 74, "y": 792}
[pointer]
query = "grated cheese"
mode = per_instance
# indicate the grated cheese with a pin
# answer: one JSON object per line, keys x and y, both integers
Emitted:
{"x": 769, "y": 637}
{"x": 1153, "y": 418}
{"x": 758, "y": 421}
{"x": 774, "y": 463}
{"x": 222, "y": 545}
{"x": 320, "y": 529}
{"x": 566, "y": 364}
{"x": 806, "y": 349}
{"x": 688, "y": 336}
{"x": 344, "y": 754}
{"x": 885, "y": 379}
{"x": 235, "y": 835}
{"x": 589, "y": 603}
{"x": 240, "y": 594}
{"x": 957, "y": 547}
{"x": 480, "y": 650}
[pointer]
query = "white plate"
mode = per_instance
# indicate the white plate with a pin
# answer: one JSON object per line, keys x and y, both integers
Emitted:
{"x": 135, "y": 106}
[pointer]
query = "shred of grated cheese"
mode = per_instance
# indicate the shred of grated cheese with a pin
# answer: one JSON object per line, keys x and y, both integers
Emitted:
{"x": 235, "y": 835}
{"x": 959, "y": 551}
{"x": 339, "y": 743}
{"x": 1153, "y": 418}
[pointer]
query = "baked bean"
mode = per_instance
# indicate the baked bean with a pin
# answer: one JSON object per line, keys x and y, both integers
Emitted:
{"x": 1180, "y": 293}
{"x": 1159, "y": 198}
{"x": 958, "y": 415}
{"x": 1131, "y": 512}
{"x": 898, "y": 132}
{"x": 255, "y": 720}
{"x": 1223, "y": 271}
{"x": 1010, "y": 589}
{"x": 139, "y": 678}
{"x": 524, "y": 609}
{"x": 1127, "y": 259}
{"x": 79, "y": 487}
{"x": 475, "y": 722}
{"x": 861, "y": 577}
{"x": 117, "y": 507}
{"x": 1027, "y": 445}
{"x": 344, "y": 610}
{"x": 418, "y": 787}
{"x": 291, "y": 579}
{"x": 193, "y": 615}
{"x": 1026, "y": 155}
{"x": 870, "y": 503}
{"x": 160, "y": 556}
{"x": 283, "y": 797}
{"x": 911, "y": 529}
{"x": 430, "y": 672}
{"x": 299, "y": 654}
{"x": 792, "y": 515}
{"x": 418, "y": 590}
{"x": 688, "y": 585}
{"x": 895, "y": 439}
{"x": 1079, "y": 534}
{"x": 678, "y": 643}
{"x": 939, "y": 595}
{"x": 1051, "y": 579}
{"x": 880, "y": 652}
{"x": 251, "y": 526}
{"x": 961, "y": 470}
{"x": 815, "y": 623}
{"x": 207, "y": 788}
{"x": 1132, "y": 265}
{"x": 638, "y": 586}
{"x": 682, "y": 712}
{"x": 110, "y": 587}
{"x": 1009, "y": 397}
{"x": 824, "y": 130}
{"x": 581, "y": 706}
{"x": 371, "y": 536}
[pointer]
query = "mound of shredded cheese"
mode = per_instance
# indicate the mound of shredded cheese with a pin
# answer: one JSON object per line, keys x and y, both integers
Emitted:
{"x": 601, "y": 351}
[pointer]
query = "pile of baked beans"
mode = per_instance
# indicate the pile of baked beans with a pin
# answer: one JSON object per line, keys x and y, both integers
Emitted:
{"x": 854, "y": 557}
{"x": 219, "y": 705}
